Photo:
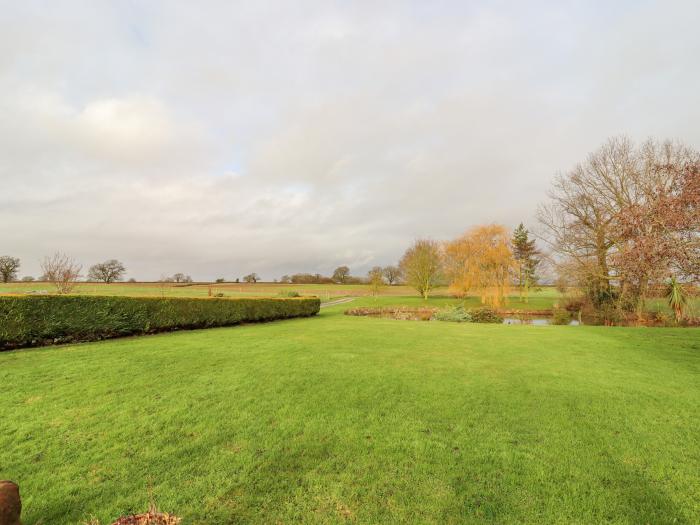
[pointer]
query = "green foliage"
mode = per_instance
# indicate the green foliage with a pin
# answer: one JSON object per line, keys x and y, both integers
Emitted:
{"x": 37, "y": 320}
{"x": 288, "y": 293}
{"x": 485, "y": 314}
{"x": 458, "y": 314}
{"x": 560, "y": 316}
{"x": 677, "y": 298}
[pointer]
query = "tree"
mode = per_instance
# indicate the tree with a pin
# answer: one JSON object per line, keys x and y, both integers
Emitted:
{"x": 392, "y": 274}
{"x": 251, "y": 278}
{"x": 107, "y": 272}
{"x": 286, "y": 279}
{"x": 27, "y": 279}
{"x": 480, "y": 261}
{"x": 605, "y": 217}
{"x": 341, "y": 274}
{"x": 8, "y": 268}
{"x": 220, "y": 280}
{"x": 375, "y": 279}
{"x": 421, "y": 266}
{"x": 178, "y": 277}
{"x": 525, "y": 255}
{"x": 62, "y": 271}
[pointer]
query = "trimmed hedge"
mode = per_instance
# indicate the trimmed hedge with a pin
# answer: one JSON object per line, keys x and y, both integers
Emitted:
{"x": 52, "y": 319}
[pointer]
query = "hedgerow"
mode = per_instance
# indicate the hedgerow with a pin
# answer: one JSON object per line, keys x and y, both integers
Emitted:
{"x": 41, "y": 320}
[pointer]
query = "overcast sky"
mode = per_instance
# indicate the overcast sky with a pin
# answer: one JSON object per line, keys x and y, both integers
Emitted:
{"x": 220, "y": 138}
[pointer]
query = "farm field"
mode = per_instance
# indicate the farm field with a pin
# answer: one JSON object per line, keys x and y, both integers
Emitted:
{"x": 338, "y": 419}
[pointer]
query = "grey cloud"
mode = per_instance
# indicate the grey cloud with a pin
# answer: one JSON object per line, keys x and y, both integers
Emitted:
{"x": 276, "y": 137}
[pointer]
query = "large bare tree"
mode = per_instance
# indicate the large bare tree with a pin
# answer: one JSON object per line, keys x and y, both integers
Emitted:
{"x": 8, "y": 268}
{"x": 587, "y": 220}
{"x": 62, "y": 271}
{"x": 107, "y": 272}
{"x": 421, "y": 266}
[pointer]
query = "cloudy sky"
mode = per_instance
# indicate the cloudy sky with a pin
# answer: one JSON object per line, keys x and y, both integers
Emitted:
{"x": 220, "y": 138}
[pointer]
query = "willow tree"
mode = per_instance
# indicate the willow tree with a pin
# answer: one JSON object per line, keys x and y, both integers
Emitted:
{"x": 421, "y": 266}
{"x": 480, "y": 262}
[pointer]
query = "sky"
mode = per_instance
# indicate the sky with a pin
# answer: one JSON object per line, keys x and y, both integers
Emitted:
{"x": 222, "y": 138}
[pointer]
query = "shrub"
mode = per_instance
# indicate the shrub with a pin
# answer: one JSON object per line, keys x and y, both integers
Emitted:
{"x": 456, "y": 315}
{"x": 485, "y": 314}
{"x": 289, "y": 293}
{"x": 561, "y": 316}
{"x": 38, "y": 320}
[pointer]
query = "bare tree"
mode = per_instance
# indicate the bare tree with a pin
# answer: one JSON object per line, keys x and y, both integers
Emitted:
{"x": 62, "y": 271}
{"x": 588, "y": 220}
{"x": 8, "y": 268}
{"x": 341, "y": 274}
{"x": 107, "y": 272}
{"x": 421, "y": 266}
{"x": 375, "y": 279}
{"x": 392, "y": 274}
{"x": 251, "y": 278}
{"x": 178, "y": 277}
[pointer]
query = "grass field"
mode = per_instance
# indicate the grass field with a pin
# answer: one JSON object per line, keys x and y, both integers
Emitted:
{"x": 339, "y": 419}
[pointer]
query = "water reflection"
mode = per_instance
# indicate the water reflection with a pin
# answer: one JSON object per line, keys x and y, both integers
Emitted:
{"x": 536, "y": 321}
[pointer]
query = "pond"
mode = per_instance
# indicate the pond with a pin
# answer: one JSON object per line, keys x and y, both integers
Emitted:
{"x": 535, "y": 321}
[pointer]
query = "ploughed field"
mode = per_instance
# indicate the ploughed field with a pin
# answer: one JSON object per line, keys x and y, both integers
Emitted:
{"x": 338, "y": 419}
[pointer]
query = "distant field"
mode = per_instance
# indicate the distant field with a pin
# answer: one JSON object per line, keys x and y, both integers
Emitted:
{"x": 545, "y": 297}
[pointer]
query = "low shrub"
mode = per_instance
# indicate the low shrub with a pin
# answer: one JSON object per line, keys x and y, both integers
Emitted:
{"x": 485, "y": 314}
{"x": 456, "y": 315}
{"x": 289, "y": 293}
{"x": 40, "y": 320}
{"x": 561, "y": 316}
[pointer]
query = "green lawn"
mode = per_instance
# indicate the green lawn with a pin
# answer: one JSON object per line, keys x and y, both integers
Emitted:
{"x": 340, "y": 419}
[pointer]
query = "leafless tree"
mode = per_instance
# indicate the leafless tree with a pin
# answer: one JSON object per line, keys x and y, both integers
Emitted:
{"x": 251, "y": 278}
{"x": 341, "y": 274}
{"x": 62, "y": 271}
{"x": 584, "y": 221}
{"x": 421, "y": 266}
{"x": 375, "y": 279}
{"x": 392, "y": 274}
{"x": 8, "y": 268}
{"x": 107, "y": 272}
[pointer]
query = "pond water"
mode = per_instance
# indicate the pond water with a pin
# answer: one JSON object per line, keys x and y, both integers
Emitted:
{"x": 536, "y": 321}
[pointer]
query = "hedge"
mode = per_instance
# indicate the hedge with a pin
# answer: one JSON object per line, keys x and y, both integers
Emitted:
{"x": 52, "y": 319}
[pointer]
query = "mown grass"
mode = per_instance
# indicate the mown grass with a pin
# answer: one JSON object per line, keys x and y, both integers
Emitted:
{"x": 339, "y": 419}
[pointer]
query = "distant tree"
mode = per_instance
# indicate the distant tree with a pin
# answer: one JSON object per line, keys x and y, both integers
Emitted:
{"x": 525, "y": 254}
{"x": 421, "y": 266}
{"x": 107, "y": 272}
{"x": 341, "y": 274}
{"x": 238, "y": 280}
{"x": 375, "y": 279}
{"x": 220, "y": 280}
{"x": 62, "y": 271}
{"x": 187, "y": 279}
{"x": 27, "y": 278}
{"x": 8, "y": 268}
{"x": 392, "y": 274}
{"x": 179, "y": 277}
{"x": 251, "y": 278}
{"x": 131, "y": 280}
{"x": 285, "y": 279}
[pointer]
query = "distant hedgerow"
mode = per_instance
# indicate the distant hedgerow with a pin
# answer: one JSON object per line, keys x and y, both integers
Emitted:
{"x": 41, "y": 320}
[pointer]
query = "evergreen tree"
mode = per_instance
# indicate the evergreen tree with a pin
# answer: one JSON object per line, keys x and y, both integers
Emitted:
{"x": 526, "y": 258}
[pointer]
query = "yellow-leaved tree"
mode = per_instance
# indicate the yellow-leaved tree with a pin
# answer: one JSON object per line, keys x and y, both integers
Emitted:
{"x": 480, "y": 262}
